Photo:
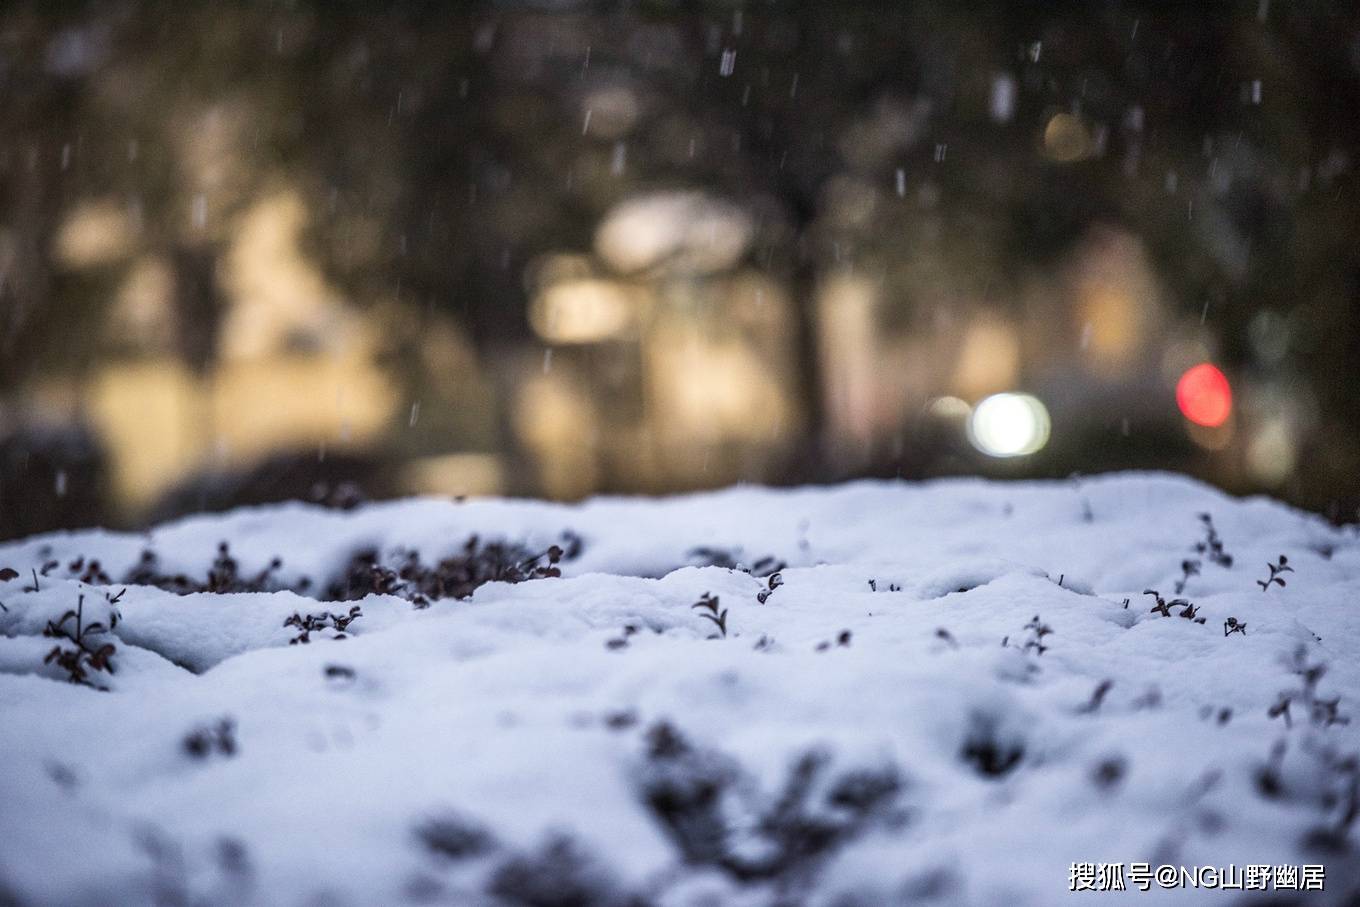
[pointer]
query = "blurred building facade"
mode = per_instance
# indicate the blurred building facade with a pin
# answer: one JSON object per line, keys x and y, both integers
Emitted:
{"x": 582, "y": 247}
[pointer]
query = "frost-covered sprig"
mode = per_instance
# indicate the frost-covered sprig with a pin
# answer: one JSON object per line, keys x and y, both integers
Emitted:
{"x": 1189, "y": 567}
{"x": 730, "y": 559}
{"x": 773, "y": 582}
{"x": 1212, "y": 546}
{"x": 312, "y": 623}
{"x": 1037, "y": 631}
{"x": 403, "y": 573}
{"x": 1275, "y": 571}
{"x": 1320, "y": 712}
{"x": 1339, "y": 771}
{"x": 86, "y": 656}
{"x": 220, "y": 737}
{"x": 7, "y": 574}
{"x": 1163, "y": 607}
{"x": 710, "y": 611}
{"x": 717, "y": 817}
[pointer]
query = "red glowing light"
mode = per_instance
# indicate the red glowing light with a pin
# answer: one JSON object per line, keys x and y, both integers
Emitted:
{"x": 1204, "y": 395}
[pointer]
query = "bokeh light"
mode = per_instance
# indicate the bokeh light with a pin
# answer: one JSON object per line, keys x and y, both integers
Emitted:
{"x": 1009, "y": 425}
{"x": 1204, "y": 395}
{"x": 1067, "y": 139}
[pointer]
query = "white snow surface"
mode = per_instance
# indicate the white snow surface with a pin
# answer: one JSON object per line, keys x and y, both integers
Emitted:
{"x": 527, "y": 714}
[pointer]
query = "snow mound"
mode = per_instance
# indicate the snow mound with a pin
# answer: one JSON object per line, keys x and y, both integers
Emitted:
{"x": 953, "y": 693}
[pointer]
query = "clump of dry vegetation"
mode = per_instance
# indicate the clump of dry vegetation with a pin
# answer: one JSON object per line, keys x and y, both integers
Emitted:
{"x": 84, "y": 649}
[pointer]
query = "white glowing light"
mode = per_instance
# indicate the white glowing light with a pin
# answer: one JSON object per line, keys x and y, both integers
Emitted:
{"x": 1009, "y": 425}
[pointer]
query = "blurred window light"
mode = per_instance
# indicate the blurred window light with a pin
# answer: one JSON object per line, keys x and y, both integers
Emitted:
{"x": 581, "y": 311}
{"x": 1204, "y": 395}
{"x": 849, "y": 345}
{"x": 989, "y": 359}
{"x": 278, "y": 298}
{"x": 1273, "y": 452}
{"x": 143, "y": 312}
{"x": 95, "y": 234}
{"x": 468, "y": 474}
{"x": 949, "y": 408}
{"x": 688, "y": 231}
{"x": 712, "y": 392}
{"x": 1009, "y": 425}
{"x": 559, "y": 423}
{"x": 1118, "y": 300}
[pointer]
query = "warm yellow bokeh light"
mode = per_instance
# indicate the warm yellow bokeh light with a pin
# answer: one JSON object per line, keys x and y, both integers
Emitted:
{"x": 559, "y": 424}
{"x": 462, "y": 474}
{"x": 1067, "y": 139}
{"x": 989, "y": 360}
{"x": 582, "y": 311}
{"x": 1272, "y": 453}
{"x": 96, "y": 233}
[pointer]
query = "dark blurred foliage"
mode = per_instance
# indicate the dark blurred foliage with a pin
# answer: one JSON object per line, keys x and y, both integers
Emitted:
{"x": 951, "y": 151}
{"x": 341, "y": 481}
{"x": 50, "y": 479}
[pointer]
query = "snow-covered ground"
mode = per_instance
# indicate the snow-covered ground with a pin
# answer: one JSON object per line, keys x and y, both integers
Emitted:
{"x": 860, "y": 737}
